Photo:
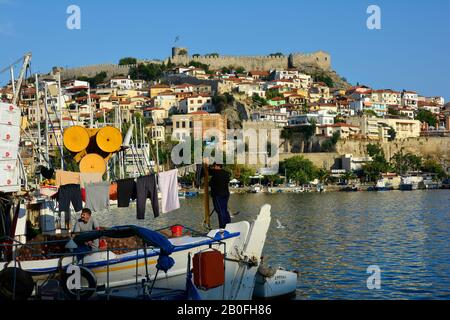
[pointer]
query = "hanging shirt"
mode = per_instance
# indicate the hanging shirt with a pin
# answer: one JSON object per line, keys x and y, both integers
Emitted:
{"x": 97, "y": 196}
{"x": 67, "y": 177}
{"x": 168, "y": 185}
{"x": 91, "y": 177}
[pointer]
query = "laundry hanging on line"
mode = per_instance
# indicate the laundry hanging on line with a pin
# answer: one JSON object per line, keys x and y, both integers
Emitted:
{"x": 97, "y": 196}
{"x": 90, "y": 177}
{"x": 168, "y": 185}
{"x": 126, "y": 191}
{"x": 67, "y": 194}
{"x": 67, "y": 177}
{"x": 146, "y": 188}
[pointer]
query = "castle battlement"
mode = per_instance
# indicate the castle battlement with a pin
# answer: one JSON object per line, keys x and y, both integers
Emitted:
{"x": 263, "y": 62}
{"x": 319, "y": 58}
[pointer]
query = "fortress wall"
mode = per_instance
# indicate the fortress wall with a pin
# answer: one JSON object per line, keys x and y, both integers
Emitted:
{"x": 320, "y": 58}
{"x": 247, "y": 62}
{"x": 90, "y": 71}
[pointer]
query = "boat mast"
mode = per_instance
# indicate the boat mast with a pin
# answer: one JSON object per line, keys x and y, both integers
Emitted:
{"x": 11, "y": 70}
{"x": 36, "y": 83}
{"x": 46, "y": 119}
{"x": 61, "y": 147}
{"x": 91, "y": 114}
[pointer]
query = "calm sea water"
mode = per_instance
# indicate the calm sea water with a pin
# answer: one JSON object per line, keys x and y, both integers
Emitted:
{"x": 332, "y": 238}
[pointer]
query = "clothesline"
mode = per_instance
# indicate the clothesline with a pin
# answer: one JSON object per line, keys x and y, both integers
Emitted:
{"x": 98, "y": 193}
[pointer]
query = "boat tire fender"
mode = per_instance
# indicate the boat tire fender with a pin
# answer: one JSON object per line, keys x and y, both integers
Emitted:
{"x": 24, "y": 285}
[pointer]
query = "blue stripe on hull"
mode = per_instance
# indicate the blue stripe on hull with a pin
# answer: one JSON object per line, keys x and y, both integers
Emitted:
{"x": 154, "y": 253}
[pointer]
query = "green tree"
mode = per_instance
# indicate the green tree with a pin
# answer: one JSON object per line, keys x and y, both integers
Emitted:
{"x": 242, "y": 173}
{"x": 432, "y": 166}
{"x": 348, "y": 176}
{"x": 258, "y": 101}
{"x": 147, "y": 72}
{"x": 273, "y": 93}
{"x": 95, "y": 80}
{"x": 323, "y": 175}
{"x": 299, "y": 169}
{"x": 183, "y": 52}
{"x": 393, "y": 111}
{"x": 276, "y": 54}
{"x": 273, "y": 179}
{"x": 372, "y": 171}
{"x": 403, "y": 163}
{"x": 69, "y": 163}
{"x": 222, "y": 102}
{"x": 239, "y": 70}
{"x": 199, "y": 65}
{"x": 370, "y": 113}
{"x": 427, "y": 117}
{"x": 325, "y": 79}
{"x": 127, "y": 61}
{"x": 329, "y": 145}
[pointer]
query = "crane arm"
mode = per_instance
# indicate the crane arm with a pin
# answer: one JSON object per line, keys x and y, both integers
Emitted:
{"x": 26, "y": 61}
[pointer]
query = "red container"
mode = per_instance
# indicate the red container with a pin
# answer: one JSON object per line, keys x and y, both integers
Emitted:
{"x": 177, "y": 231}
{"x": 208, "y": 269}
{"x": 102, "y": 244}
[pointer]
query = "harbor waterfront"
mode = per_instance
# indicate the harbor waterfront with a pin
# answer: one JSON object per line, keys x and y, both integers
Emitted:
{"x": 332, "y": 238}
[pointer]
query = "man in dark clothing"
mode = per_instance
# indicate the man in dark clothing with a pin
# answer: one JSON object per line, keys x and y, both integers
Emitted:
{"x": 220, "y": 193}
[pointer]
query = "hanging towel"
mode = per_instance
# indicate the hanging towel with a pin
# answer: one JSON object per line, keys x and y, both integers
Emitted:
{"x": 97, "y": 196}
{"x": 67, "y": 177}
{"x": 168, "y": 185}
{"x": 91, "y": 177}
{"x": 146, "y": 188}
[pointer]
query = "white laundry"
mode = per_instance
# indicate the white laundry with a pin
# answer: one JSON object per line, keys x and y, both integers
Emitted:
{"x": 168, "y": 185}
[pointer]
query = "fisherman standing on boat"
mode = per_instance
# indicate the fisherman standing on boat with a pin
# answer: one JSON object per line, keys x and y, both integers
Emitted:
{"x": 84, "y": 224}
{"x": 220, "y": 193}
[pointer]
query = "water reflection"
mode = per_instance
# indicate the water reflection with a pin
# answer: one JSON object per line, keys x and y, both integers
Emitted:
{"x": 332, "y": 238}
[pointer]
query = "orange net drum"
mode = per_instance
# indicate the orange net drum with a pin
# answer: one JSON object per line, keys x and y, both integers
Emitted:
{"x": 92, "y": 163}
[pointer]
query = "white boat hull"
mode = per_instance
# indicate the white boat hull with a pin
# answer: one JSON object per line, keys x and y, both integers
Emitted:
{"x": 243, "y": 243}
{"x": 283, "y": 283}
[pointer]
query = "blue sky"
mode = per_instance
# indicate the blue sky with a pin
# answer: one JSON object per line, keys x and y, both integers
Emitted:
{"x": 411, "y": 51}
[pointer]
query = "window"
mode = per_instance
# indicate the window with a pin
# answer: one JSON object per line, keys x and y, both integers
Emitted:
{"x": 178, "y": 124}
{"x": 183, "y": 124}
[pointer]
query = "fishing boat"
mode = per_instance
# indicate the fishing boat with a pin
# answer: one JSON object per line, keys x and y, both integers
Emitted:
{"x": 382, "y": 186}
{"x": 127, "y": 254}
{"x": 409, "y": 183}
{"x": 240, "y": 244}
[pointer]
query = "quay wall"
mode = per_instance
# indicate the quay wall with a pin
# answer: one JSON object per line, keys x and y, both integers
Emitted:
{"x": 437, "y": 148}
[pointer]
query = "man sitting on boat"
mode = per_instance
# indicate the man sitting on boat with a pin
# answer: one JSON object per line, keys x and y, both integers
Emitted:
{"x": 87, "y": 223}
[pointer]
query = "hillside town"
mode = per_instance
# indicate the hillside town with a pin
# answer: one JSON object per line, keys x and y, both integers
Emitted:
{"x": 313, "y": 111}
